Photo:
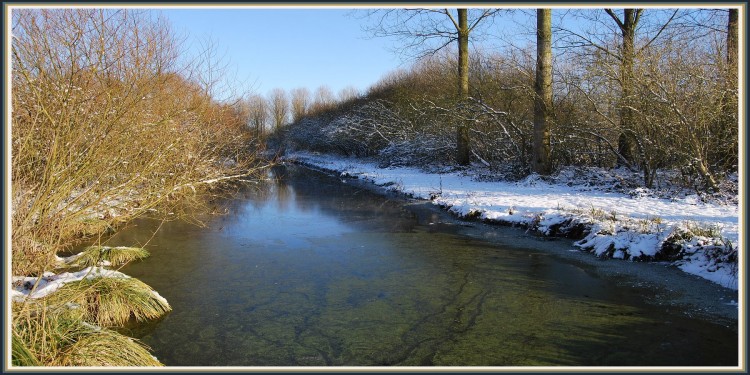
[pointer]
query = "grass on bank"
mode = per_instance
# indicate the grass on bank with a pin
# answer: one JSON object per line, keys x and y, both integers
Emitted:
{"x": 53, "y": 335}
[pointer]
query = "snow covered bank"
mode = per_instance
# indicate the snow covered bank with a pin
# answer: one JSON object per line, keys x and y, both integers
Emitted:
{"x": 700, "y": 238}
{"x": 24, "y": 287}
{"x": 33, "y": 287}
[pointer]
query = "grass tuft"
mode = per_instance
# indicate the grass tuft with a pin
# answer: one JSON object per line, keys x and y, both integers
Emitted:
{"x": 115, "y": 256}
{"x": 104, "y": 347}
{"x": 112, "y": 301}
{"x": 21, "y": 354}
{"x": 49, "y": 335}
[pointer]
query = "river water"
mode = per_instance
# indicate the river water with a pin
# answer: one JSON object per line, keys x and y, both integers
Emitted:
{"x": 310, "y": 270}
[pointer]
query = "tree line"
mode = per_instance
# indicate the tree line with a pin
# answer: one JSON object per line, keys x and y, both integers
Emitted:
{"x": 280, "y": 107}
{"x": 644, "y": 89}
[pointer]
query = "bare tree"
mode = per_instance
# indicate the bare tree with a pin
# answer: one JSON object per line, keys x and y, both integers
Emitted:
{"x": 279, "y": 107}
{"x": 258, "y": 109}
{"x": 463, "y": 147}
{"x": 102, "y": 82}
{"x": 713, "y": 23}
{"x": 541, "y": 162}
{"x": 423, "y": 32}
{"x": 348, "y": 93}
{"x": 301, "y": 101}
{"x": 732, "y": 47}
{"x": 732, "y": 32}
{"x": 727, "y": 126}
{"x": 627, "y": 27}
{"x": 678, "y": 110}
{"x": 324, "y": 100}
{"x": 597, "y": 41}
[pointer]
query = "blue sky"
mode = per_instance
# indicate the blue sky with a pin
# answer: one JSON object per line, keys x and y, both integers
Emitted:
{"x": 292, "y": 46}
{"x": 288, "y": 48}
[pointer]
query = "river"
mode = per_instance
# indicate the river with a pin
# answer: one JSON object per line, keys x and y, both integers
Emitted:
{"x": 308, "y": 269}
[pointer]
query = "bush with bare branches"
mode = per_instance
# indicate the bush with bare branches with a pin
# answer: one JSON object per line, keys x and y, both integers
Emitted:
{"x": 104, "y": 127}
{"x": 107, "y": 125}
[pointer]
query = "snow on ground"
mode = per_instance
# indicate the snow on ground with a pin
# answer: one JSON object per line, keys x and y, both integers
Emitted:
{"x": 621, "y": 226}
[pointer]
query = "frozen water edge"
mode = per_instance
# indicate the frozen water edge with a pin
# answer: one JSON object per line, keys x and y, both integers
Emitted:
{"x": 542, "y": 205}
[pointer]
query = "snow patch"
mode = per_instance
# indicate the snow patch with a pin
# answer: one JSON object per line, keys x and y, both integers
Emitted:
{"x": 24, "y": 287}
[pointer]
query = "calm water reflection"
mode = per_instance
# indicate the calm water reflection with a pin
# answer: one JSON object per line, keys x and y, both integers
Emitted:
{"x": 307, "y": 270}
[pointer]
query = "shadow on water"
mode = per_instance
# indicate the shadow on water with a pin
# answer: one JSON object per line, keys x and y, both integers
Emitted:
{"x": 310, "y": 270}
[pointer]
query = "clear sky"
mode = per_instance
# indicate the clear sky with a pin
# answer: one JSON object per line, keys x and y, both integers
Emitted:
{"x": 288, "y": 48}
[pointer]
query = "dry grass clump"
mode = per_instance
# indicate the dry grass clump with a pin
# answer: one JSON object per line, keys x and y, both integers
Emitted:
{"x": 69, "y": 327}
{"x": 112, "y": 256}
{"x": 58, "y": 337}
{"x": 106, "y": 348}
{"x": 111, "y": 301}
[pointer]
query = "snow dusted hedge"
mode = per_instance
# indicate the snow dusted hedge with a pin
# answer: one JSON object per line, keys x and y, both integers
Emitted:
{"x": 421, "y": 134}
{"x": 372, "y": 129}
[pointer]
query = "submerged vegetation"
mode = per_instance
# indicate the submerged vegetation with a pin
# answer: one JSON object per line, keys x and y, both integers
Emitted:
{"x": 110, "y": 122}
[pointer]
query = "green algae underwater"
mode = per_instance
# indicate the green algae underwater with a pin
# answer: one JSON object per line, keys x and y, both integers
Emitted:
{"x": 308, "y": 269}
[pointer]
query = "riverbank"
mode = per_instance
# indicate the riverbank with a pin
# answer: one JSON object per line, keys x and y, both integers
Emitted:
{"x": 700, "y": 238}
{"x": 661, "y": 283}
{"x": 658, "y": 283}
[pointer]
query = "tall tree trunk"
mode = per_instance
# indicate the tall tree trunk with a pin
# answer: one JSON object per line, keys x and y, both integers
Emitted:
{"x": 730, "y": 104}
{"x": 626, "y": 142}
{"x": 462, "y": 131}
{"x": 543, "y": 101}
{"x": 721, "y": 155}
{"x": 732, "y": 47}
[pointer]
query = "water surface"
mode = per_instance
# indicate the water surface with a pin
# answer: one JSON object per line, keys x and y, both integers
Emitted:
{"x": 307, "y": 270}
